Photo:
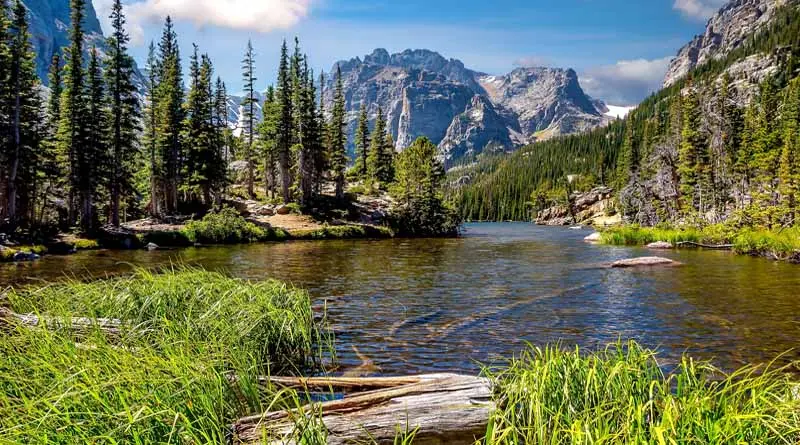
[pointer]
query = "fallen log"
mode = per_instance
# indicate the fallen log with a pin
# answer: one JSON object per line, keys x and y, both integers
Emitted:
{"x": 440, "y": 408}
{"x": 79, "y": 325}
{"x": 706, "y": 246}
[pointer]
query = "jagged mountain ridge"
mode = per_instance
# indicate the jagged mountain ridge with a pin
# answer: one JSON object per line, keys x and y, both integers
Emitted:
{"x": 725, "y": 31}
{"x": 49, "y": 27}
{"x": 464, "y": 111}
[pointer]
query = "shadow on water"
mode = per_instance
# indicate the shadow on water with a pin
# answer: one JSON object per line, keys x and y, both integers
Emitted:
{"x": 409, "y": 306}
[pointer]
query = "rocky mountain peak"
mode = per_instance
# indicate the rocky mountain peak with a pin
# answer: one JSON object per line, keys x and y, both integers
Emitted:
{"x": 725, "y": 31}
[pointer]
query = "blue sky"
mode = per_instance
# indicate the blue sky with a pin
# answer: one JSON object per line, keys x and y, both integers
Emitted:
{"x": 619, "y": 47}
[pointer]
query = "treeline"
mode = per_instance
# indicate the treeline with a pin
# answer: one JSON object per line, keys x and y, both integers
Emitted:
{"x": 99, "y": 151}
{"x": 699, "y": 151}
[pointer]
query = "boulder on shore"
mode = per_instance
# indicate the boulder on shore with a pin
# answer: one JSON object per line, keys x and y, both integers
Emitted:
{"x": 644, "y": 262}
{"x": 25, "y": 256}
{"x": 593, "y": 238}
{"x": 660, "y": 245}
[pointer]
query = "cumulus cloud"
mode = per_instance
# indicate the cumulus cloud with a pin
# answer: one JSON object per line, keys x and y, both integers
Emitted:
{"x": 250, "y": 15}
{"x": 698, "y": 9}
{"x": 626, "y": 82}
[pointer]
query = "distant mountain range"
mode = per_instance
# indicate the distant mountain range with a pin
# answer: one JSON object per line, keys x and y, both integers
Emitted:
{"x": 465, "y": 112}
{"x": 421, "y": 92}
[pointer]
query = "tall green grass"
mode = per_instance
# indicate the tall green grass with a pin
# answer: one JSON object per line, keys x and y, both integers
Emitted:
{"x": 779, "y": 244}
{"x": 168, "y": 378}
{"x": 620, "y": 395}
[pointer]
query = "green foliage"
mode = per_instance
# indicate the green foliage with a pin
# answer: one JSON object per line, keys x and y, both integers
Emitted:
{"x": 421, "y": 209}
{"x": 167, "y": 377}
{"x": 337, "y": 152}
{"x": 224, "y": 227}
{"x": 344, "y": 232}
{"x": 621, "y": 395}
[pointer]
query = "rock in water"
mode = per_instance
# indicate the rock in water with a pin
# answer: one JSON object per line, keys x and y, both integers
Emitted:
{"x": 643, "y": 262}
{"x": 593, "y": 238}
{"x": 152, "y": 246}
{"x": 25, "y": 256}
{"x": 660, "y": 245}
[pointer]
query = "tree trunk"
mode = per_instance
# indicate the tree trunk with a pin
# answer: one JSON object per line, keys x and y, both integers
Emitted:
{"x": 439, "y": 408}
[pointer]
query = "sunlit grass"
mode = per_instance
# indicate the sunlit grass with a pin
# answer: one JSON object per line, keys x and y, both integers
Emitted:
{"x": 620, "y": 395}
{"x": 168, "y": 378}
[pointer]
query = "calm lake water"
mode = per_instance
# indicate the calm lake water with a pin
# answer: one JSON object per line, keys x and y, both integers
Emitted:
{"x": 408, "y": 306}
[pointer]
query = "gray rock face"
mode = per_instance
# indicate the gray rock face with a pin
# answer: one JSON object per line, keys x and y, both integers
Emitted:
{"x": 463, "y": 111}
{"x": 547, "y": 101}
{"x": 481, "y": 127}
{"x": 49, "y": 21}
{"x": 726, "y": 30}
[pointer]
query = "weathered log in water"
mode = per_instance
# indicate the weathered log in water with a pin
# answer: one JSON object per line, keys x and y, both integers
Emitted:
{"x": 441, "y": 408}
{"x": 80, "y": 326}
{"x": 706, "y": 246}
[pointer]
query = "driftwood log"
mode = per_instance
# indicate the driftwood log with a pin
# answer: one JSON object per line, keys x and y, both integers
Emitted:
{"x": 706, "y": 246}
{"x": 440, "y": 408}
{"x": 78, "y": 325}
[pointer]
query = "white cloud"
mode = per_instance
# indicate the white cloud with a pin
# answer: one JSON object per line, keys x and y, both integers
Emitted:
{"x": 626, "y": 82}
{"x": 698, "y": 9}
{"x": 250, "y": 15}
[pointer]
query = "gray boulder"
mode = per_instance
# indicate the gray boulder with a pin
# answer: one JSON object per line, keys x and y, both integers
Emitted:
{"x": 643, "y": 262}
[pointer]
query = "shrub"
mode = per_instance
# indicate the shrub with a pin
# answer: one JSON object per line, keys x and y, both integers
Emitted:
{"x": 224, "y": 227}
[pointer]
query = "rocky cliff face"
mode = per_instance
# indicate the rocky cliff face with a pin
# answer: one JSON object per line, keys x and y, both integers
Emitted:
{"x": 726, "y": 30}
{"x": 50, "y": 30}
{"x": 463, "y": 111}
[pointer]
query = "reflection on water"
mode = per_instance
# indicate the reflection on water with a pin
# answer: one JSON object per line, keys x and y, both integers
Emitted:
{"x": 407, "y": 306}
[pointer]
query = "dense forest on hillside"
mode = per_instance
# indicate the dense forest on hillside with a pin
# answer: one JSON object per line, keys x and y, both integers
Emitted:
{"x": 94, "y": 151}
{"x": 699, "y": 150}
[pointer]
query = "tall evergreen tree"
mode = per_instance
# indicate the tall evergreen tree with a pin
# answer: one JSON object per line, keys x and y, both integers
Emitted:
{"x": 56, "y": 90}
{"x": 249, "y": 115}
{"x": 337, "y": 137}
{"x": 24, "y": 105}
{"x": 151, "y": 132}
{"x": 692, "y": 154}
{"x": 124, "y": 111}
{"x": 93, "y": 157}
{"x": 269, "y": 139}
{"x": 285, "y": 125}
{"x": 223, "y": 136}
{"x": 202, "y": 164}
{"x": 322, "y": 125}
{"x": 73, "y": 131}
{"x": 790, "y": 152}
{"x": 312, "y": 147}
{"x": 169, "y": 116}
{"x": 375, "y": 160}
{"x": 362, "y": 143}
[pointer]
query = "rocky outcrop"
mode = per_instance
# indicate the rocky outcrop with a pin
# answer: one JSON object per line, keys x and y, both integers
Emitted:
{"x": 727, "y": 30}
{"x": 595, "y": 207}
{"x": 464, "y": 112}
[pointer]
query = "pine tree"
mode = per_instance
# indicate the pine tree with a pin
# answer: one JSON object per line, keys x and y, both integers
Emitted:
{"x": 629, "y": 160}
{"x": 92, "y": 159}
{"x": 388, "y": 154}
{"x": 692, "y": 160}
{"x": 322, "y": 157}
{"x": 285, "y": 125}
{"x": 374, "y": 161}
{"x": 249, "y": 115}
{"x": 124, "y": 111}
{"x": 337, "y": 137}
{"x": 73, "y": 126}
{"x": 269, "y": 139}
{"x": 4, "y": 115}
{"x": 24, "y": 106}
{"x": 56, "y": 90}
{"x": 766, "y": 149}
{"x": 223, "y": 136}
{"x": 312, "y": 147}
{"x": 169, "y": 116}
{"x": 151, "y": 132}
{"x": 790, "y": 152}
{"x": 362, "y": 143}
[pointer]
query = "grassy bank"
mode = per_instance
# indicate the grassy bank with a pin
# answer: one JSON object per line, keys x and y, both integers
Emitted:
{"x": 621, "y": 395}
{"x": 777, "y": 244}
{"x": 166, "y": 377}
